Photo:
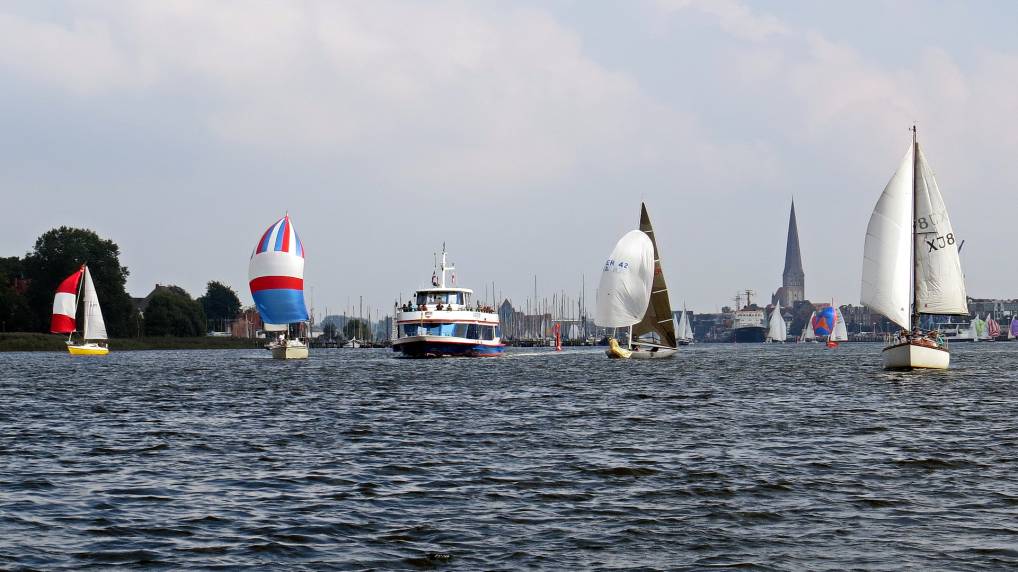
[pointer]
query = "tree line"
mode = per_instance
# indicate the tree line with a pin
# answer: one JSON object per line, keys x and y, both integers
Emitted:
{"x": 27, "y": 285}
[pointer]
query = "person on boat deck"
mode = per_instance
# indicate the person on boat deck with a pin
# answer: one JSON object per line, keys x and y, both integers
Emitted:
{"x": 439, "y": 306}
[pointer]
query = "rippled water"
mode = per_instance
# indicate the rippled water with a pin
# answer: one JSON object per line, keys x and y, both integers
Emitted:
{"x": 752, "y": 456}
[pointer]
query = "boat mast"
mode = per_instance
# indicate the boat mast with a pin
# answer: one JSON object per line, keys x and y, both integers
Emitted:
{"x": 915, "y": 255}
{"x": 84, "y": 311}
{"x": 77, "y": 300}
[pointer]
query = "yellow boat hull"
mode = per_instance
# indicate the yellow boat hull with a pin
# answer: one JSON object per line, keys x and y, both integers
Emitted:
{"x": 89, "y": 350}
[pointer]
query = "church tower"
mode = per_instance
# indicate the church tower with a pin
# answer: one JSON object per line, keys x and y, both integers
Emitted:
{"x": 793, "y": 279}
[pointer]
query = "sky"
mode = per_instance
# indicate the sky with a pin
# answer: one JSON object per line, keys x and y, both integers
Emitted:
{"x": 523, "y": 135}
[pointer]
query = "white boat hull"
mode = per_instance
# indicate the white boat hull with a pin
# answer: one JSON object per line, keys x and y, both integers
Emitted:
{"x": 660, "y": 353}
{"x": 910, "y": 355}
{"x": 290, "y": 351}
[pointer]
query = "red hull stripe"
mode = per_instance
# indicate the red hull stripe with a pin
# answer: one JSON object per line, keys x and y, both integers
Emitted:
{"x": 62, "y": 324}
{"x": 277, "y": 283}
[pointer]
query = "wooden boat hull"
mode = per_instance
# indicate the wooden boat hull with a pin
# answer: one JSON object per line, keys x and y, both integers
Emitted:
{"x": 87, "y": 350}
{"x": 908, "y": 355}
{"x": 289, "y": 352}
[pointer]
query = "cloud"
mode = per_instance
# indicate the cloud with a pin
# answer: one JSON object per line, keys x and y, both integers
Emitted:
{"x": 733, "y": 17}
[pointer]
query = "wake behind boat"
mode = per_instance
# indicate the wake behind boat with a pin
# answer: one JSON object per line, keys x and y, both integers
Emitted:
{"x": 911, "y": 264}
{"x": 632, "y": 294}
{"x": 439, "y": 322}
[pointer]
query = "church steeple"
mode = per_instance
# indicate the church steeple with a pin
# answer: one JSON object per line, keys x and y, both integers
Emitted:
{"x": 793, "y": 279}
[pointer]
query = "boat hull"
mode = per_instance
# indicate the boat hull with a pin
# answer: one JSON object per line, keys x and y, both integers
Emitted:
{"x": 659, "y": 353}
{"x": 290, "y": 352}
{"x": 87, "y": 350}
{"x": 909, "y": 355}
{"x": 428, "y": 347}
{"x": 753, "y": 335}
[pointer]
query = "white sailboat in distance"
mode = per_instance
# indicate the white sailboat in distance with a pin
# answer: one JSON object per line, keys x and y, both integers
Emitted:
{"x": 777, "y": 331}
{"x": 911, "y": 264}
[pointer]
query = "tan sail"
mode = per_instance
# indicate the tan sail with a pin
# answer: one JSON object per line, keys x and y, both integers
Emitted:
{"x": 658, "y": 321}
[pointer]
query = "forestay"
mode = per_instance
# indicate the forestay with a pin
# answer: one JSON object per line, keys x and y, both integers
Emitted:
{"x": 941, "y": 285}
{"x": 887, "y": 252}
{"x": 95, "y": 327}
{"x": 624, "y": 289}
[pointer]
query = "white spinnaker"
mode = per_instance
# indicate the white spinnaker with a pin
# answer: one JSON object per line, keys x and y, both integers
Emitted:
{"x": 887, "y": 254}
{"x": 95, "y": 327}
{"x": 807, "y": 333}
{"x": 840, "y": 331}
{"x": 776, "y": 329}
{"x": 940, "y": 280}
{"x": 626, "y": 280}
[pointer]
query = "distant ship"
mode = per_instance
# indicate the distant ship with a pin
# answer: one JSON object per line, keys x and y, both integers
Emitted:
{"x": 748, "y": 323}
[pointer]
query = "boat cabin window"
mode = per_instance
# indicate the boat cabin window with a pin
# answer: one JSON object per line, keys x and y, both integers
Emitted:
{"x": 469, "y": 331}
{"x": 439, "y": 298}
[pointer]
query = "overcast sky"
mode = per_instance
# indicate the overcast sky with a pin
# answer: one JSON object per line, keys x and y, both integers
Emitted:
{"x": 523, "y": 134}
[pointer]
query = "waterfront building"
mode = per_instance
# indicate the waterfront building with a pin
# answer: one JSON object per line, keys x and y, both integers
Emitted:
{"x": 793, "y": 279}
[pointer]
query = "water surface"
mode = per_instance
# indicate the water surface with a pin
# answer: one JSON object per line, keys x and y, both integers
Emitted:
{"x": 761, "y": 457}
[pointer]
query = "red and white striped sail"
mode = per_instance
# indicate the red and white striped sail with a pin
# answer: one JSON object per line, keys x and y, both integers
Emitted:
{"x": 65, "y": 304}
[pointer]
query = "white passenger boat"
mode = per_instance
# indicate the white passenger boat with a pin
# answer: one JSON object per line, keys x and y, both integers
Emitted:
{"x": 444, "y": 321}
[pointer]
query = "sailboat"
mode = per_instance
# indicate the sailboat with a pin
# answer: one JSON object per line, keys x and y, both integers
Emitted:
{"x": 78, "y": 287}
{"x": 684, "y": 333}
{"x": 977, "y": 328}
{"x": 632, "y": 294}
{"x": 276, "y": 274}
{"x": 1013, "y": 330}
{"x": 840, "y": 331}
{"x": 776, "y": 329}
{"x": 911, "y": 264}
{"x": 808, "y": 334}
{"x": 992, "y": 327}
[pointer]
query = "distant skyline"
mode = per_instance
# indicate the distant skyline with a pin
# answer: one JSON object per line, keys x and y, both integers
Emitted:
{"x": 524, "y": 135}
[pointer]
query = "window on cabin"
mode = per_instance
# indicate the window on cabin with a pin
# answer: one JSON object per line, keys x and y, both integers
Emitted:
{"x": 460, "y": 330}
{"x": 487, "y": 332}
{"x": 472, "y": 332}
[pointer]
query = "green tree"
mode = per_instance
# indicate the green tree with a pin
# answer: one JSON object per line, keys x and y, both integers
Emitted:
{"x": 356, "y": 328}
{"x": 15, "y": 314}
{"x": 172, "y": 312}
{"x": 220, "y": 302}
{"x": 61, "y": 251}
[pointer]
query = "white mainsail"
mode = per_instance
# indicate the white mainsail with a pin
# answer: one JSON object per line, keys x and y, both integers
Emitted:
{"x": 808, "y": 335}
{"x": 887, "y": 254}
{"x": 684, "y": 331}
{"x": 623, "y": 293}
{"x": 776, "y": 330}
{"x": 95, "y": 327}
{"x": 840, "y": 331}
{"x": 939, "y": 277}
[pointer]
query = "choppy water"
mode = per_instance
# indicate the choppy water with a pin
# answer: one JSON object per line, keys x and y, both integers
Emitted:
{"x": 754, "y": 457}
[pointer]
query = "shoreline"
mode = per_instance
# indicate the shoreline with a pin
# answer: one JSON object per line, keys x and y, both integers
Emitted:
{"x": 35, "y": 342}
